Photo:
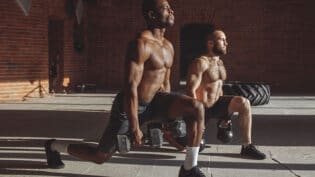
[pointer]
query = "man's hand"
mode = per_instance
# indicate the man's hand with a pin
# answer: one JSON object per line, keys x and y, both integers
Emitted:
{"x": 136, "y": 138}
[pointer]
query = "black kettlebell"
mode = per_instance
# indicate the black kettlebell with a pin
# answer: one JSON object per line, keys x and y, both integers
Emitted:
{"x": 183, "y": 141}
{"x": 202, "y": 144}
{"x": 178, "y": 128}
{"x": 225, "y": 133}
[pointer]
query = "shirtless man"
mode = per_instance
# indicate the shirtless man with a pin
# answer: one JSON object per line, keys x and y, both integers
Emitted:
{"x": 205, "y": 80}
{"x": 145, "y": 95}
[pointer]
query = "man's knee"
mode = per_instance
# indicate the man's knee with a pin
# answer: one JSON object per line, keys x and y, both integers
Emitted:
{"x": 198, "y": 110}
{"x": 242, "y": 103}
{"x": 196, "y": 115}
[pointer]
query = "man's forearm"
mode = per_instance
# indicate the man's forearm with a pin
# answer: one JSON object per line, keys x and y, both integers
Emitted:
{"x": 167, "y": 87}
{"x": 132, "y": 110}
{"x": 190, "y": 92}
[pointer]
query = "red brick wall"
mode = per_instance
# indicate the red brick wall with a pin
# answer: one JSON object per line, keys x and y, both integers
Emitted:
{"x": 24, "y": 48}
{"x": 270, "y": 41}
{"x": 110, "y": 26}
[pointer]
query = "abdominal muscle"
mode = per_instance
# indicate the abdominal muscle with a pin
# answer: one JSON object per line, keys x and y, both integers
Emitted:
{"x": 209, "y": 93}
{"x": 150, "y": 84}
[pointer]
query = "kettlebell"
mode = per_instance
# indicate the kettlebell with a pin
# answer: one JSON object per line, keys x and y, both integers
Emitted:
{"x": 225, "y": 134}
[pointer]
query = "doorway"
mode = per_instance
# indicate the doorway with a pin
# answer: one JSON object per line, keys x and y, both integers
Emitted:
{"x": 56, "y": 58}
{"x": 191, "y": 44}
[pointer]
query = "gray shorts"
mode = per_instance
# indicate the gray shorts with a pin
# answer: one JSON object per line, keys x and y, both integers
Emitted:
{"x": 220, "y": 109}
{"x": 119, "y": 124}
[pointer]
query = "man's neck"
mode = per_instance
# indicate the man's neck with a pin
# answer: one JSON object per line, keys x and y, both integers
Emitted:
{"x": 158, "y": 33}
{"x": 212, "y": 56}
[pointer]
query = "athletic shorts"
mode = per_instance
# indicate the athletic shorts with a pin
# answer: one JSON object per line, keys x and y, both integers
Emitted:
{"x": 220, "y": 109}
{"x": 119, "y": 124}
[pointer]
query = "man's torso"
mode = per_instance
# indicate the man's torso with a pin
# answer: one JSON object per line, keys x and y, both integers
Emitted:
{"x": 210, "y": 88}
{"x": 155, "y": 67}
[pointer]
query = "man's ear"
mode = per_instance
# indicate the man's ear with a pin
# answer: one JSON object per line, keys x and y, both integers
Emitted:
{"x": 210, "y": 43}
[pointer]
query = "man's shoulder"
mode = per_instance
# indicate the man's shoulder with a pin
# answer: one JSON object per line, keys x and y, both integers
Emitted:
{"x": 168, "y": 43}
{"x": 202, "y": 60}
{"x": 200, "y": 63}
{"x": 141, "y": 41}
{"x": 145, "y": 36}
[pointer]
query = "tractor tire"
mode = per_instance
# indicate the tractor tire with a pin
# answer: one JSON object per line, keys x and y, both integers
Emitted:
{"x": 256, "y": 93}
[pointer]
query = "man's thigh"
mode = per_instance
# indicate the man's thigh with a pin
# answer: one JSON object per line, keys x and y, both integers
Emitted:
{"x": 220, "y": 110}
{"x": 118, "y": 124}
{"x": 171, "y": 106}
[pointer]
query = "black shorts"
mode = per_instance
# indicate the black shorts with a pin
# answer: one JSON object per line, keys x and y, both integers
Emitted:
{"x": 220, "y": 109}
{"x": 119, "y": 124}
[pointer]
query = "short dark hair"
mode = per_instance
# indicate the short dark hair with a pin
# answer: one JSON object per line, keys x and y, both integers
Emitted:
{"x": 147, "y": 5}
{"x": 210, "y": 33}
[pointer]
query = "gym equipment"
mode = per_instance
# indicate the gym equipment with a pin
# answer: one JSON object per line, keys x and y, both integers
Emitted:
{"x": 202, "y": 145}
{"x": 224, "y": 134}
{"x": 257, "y": 93}
{"x": 177, "y": 127}
{"x": 183, "y": 141}
{"x": 155, "y": 134}
{"x": 123, "y": 142}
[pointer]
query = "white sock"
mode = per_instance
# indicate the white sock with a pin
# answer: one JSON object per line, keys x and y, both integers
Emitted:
{"x": 59, "y": 146}
{"x": 191, "y": 157}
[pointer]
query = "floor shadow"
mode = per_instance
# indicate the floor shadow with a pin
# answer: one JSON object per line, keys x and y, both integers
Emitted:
{"x": 230, "y": 155}
{"x": 22, "y": 164}
{"x": 145, "y": 156}
{"x": 50, "y": 123}
{"x": 215, "y": 164}
{"x": 272, "y": 130}
{"x": 130, "y": 158}
{"x": 161, "y": 149}
{"x": 285, "y": 130}
{"x": 42, "y": 173}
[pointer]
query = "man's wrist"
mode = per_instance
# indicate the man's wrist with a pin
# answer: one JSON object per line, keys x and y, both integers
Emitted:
{"x": 134, "y": 128}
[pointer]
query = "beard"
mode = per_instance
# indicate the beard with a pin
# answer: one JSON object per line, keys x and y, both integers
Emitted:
{"x": 219, "y": 51}
{"x": 167, "y": 22}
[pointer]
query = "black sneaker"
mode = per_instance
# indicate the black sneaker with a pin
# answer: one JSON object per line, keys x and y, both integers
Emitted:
{"x": 53, "y": 157}
{"x": 194, "y": 172}
{"x": 250, "y": 151}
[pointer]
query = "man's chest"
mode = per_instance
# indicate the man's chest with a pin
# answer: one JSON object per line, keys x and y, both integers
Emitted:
{"x": 214, "y": 72}
{"x": 160, "y": 57}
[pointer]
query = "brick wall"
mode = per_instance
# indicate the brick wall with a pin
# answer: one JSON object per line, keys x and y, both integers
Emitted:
{"x": 24, "y": 48}
{"x": 270, "y": 41}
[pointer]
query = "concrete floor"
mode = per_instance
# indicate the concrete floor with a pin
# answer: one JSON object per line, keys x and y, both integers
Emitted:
{"x": 284, "y": 129}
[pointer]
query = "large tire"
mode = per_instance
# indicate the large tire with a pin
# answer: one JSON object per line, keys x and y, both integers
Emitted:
{"x": 256, "y": 93}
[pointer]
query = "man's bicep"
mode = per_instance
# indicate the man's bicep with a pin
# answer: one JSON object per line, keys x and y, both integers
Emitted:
{"x": 137, "y": 55}
{"x": 195, "y": 74}
{"x": 193, "y": 79}
{"x": 135, "y": 72}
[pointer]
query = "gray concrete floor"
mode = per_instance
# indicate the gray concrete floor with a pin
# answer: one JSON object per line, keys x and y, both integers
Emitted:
{"x": 283, "y": 129}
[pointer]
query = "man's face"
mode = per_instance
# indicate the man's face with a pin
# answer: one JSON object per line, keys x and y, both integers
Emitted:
{"x": 164, "y": 13}
{"x": 219, "y": 43}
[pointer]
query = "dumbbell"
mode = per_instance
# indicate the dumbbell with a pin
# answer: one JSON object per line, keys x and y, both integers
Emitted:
{"x": 183, "y": 141}
{"x": 155, "y": 134}
{"x": 225, "y": 133}
{"x": 177, "y": 127}
{"x": 123, "y": 143}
